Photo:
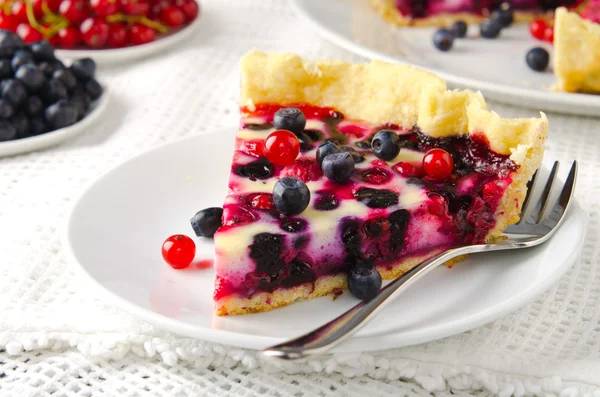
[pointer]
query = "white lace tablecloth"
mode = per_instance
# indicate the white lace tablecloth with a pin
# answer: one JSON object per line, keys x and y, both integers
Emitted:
{"x": 57, "y": 339}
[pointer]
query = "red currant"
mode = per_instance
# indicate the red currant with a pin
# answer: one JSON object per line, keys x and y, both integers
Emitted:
{"x": 408, "y": 170}
{"x": 75, "y": 11}
{"x": 53, "y": 4}
{"x": 117, "y": 36}
{"x": 94, "y": 32}
{"x": 69, "y": 37}
{"x": 437, "y": 205}
{"x": 141, "y": 34}
{"x": 7, "y": 22}
{"x": 179, "y": 251}
{"x": 104, "y": 8}
{"x": 19, "y": 11}
{"x": 38, "y": 11}
{"x": 191, "y": 9}
{"x": 282, "y": 147}
{"x": 549, "y": 34}
{"x": 537, "y": 28}
{"x": 254, "y": 148}
{"x": 172, "y": 16}
{"x": 135, "y": 7}
{"x": 28, "y": 34}
{"x": 438, "y": 164}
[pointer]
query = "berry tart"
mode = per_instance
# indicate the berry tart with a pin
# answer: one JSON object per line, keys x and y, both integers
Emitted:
{"x": 444, "y": 12}
{"x": 344, "y": 174}
{"x": 577, "y": 49}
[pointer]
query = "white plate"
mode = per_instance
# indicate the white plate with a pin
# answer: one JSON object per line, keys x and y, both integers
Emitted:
{"x": 495, "y": 67}
{"x": 114, "y": 235}
{"x": 19, "y": 146}
{"x": 127, "y": 54}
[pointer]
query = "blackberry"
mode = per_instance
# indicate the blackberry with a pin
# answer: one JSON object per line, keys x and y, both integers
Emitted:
{"x": 259, "y": 169}
{"x": 376, "y": 198}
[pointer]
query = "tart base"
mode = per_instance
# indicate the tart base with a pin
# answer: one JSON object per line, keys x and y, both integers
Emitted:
{"x": 325, "y": 285}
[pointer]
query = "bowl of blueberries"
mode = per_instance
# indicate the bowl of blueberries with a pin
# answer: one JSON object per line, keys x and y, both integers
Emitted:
{"x": 42, "y": 100}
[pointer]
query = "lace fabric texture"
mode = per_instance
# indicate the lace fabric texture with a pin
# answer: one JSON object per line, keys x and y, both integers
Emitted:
{"x": 58, "y": 339}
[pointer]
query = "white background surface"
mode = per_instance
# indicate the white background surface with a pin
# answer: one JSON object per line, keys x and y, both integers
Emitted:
{"x": 61, "y": 340}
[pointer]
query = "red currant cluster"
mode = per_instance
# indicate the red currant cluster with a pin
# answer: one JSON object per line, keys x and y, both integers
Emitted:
{"x": 541, "y": 30}
{"x": 95, "y": 24}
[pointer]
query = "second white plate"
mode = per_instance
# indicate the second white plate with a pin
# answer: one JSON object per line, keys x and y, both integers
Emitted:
{"x": 115, "y": 232}
{"x": 497, "y": 67}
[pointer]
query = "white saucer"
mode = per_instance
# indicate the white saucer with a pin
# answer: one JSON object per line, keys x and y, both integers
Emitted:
{"x": 114, "y": 235}
{"x": 19, "y": 146}
{"x": 497, "y": 67}
{"x": 127, "y": 54}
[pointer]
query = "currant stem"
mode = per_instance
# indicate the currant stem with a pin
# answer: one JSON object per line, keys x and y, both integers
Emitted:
{"x": 138, "y": 19}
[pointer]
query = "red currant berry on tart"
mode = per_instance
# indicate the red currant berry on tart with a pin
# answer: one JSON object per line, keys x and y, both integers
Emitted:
{"x": 537, "y": 28}
{"x": 282, "y": 147}
{"x": 261, "y": 201}
{"x": 179, "y": 251}
{"x": 438, "y": 164}
{"x": 409, "y": 170}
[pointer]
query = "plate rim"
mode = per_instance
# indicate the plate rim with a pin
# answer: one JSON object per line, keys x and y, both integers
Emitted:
{"x": 110, "y": 56}
{"x": 371, "y": 342}
{"x": 52, "y": 138}
{"x": 494, "y": 91}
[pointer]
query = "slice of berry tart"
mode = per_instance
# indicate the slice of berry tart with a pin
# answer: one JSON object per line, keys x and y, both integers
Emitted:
{"x": 577, "y": 49}
{"x": 344, "y": 174}
{"x": 444, "y": 12}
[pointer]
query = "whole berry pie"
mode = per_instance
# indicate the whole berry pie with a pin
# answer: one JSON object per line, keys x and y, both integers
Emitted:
{"x": 577, "y": 49}
{"x": 444, "y": 12}
{"x": 344, "y": 174}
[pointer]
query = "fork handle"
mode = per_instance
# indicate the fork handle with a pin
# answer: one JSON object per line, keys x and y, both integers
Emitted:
{"x": 334, "y": 332}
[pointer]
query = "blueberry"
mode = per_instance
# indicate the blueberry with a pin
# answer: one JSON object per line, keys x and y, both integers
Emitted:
{"x": 33, "y": 106}
{"x": 385, "y": 145}
{"x": 31, "y": 76}
{"x": 21, "y": 124}
{"x": 490, "y": 29}
{"x": 7, "y": 131}
{"x": 9, "y": 43}
{"x": 42, "y": 51}
{"x": 266, "y": 250}
{"x": 50, "y": 67}
{"x": 93, "y": 89}
{"x": 305, "y": 142}
{"x": 21, "y": 57}
{"x": 364, "y": 282}
{"x": 291, "y": 119}
{"x": 37, "y": 126}
{"x": 14, "y": 91}
{"x": 81, "y": 99}
{"x": 443, "y": 40}
{"x": 293, "y": 225}
{"x": 291, "y": 196}
{"x": 6, "y": 109}
{"x": 259, "y": 169}
{"x": 206, "y": 222}
{"x": 66, "y": 77}
{"x": 459, "y": 29}
{"x": 84, "y": 68}
{"x": 324, "y": 150}
{"x": 61, "y": 114}
{"x": 338, "y": 167}
{"x": 537, "y": 58}
{"x": 5, "y": 69}
{"x": 504, "y": 17}
{"x": 53, "y": 91}
{"x": 326, "y": 202}
{"x": 376, "y": 198}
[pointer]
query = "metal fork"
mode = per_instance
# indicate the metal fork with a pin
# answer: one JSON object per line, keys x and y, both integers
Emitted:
{"x": 539, "y": 221}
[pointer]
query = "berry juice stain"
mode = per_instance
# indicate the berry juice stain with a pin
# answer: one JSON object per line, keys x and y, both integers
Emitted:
{"x": 203, "y": 264}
